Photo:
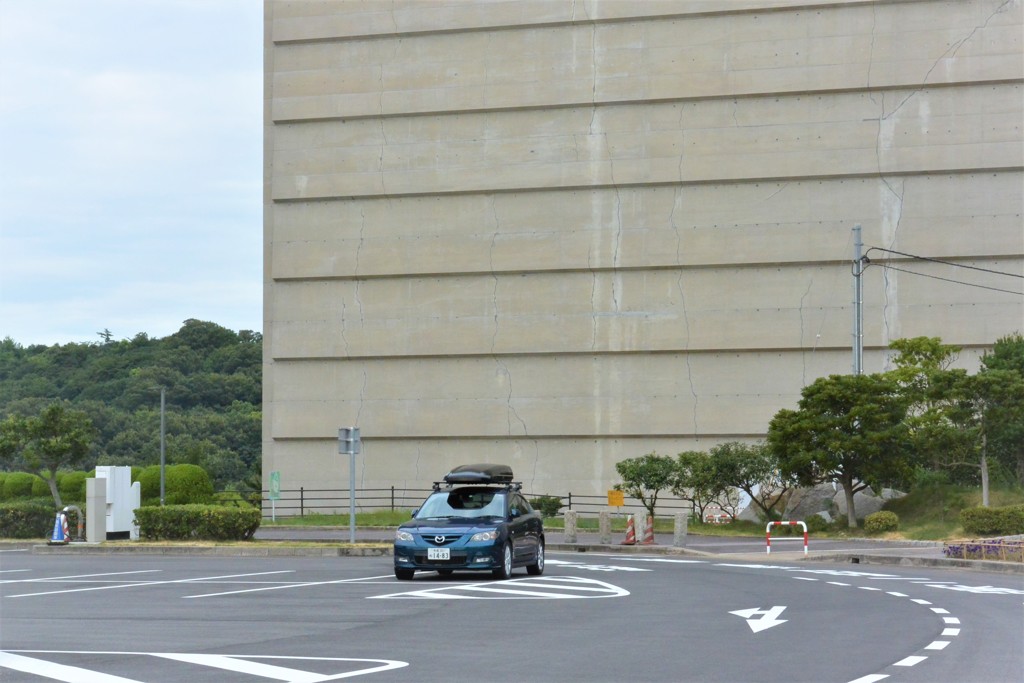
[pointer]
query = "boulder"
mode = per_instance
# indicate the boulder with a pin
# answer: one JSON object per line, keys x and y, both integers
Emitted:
{"x": 864, "y": 502}
{"x": 806, "y": 502}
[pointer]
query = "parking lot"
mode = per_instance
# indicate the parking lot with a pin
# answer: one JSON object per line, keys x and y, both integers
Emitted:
{"x": 590, "y": 617}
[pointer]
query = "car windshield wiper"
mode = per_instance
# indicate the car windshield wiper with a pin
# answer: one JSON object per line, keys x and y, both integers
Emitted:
{"x": 441, "y": 517}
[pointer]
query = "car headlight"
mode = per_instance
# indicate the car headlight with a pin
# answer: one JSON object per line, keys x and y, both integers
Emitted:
{"x": 491, "y": 535}
{"x": 403, "y": 535}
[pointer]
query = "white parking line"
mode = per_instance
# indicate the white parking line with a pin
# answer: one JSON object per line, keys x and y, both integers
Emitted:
{"x": 57, "y": 672}
{"x": 287, "y": 585}
{"x": 75, "y": 577}
{"x": 146, "y": 583}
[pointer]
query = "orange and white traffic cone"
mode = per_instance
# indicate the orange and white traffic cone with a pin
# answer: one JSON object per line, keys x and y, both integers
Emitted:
{"x": 630, "y": 532}
{"x": 649, "y": 532}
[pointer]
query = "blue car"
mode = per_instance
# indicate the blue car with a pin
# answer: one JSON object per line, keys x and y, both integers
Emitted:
{"x": 475, "y": 520}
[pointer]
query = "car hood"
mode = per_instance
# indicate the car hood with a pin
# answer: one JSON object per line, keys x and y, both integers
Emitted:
{"x": 449, "y": 526}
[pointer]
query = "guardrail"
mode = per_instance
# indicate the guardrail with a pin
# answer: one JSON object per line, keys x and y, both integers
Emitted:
{"x": 304, "y": 501}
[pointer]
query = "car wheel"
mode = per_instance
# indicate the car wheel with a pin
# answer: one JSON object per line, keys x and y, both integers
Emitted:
{"x": 505, "y": 570}
{"x": 404, "y": 574}
{"x": 537, "y": 568}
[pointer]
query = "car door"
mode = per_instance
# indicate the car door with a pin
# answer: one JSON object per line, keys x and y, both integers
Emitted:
{"x": 522, "y": 529}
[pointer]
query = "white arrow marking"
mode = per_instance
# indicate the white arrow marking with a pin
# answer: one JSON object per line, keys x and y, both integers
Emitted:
{"x": 768, "y": 618}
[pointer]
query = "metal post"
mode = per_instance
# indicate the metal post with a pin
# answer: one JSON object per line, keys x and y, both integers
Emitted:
{"x": 352, "y": 497}
{"x": 163, "y": 439}
{"x": 858, "y": 301}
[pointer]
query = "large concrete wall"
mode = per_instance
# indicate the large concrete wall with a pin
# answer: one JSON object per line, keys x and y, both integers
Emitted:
{"x": 560, "y": 234}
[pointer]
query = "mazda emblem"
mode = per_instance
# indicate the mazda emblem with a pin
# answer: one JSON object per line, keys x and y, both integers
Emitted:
{"x": 438, "y": 539}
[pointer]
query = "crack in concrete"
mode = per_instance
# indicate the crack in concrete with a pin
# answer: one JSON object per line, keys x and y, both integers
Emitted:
{"x": 359, "y": 248}
{"x": 803, "y": 356}
{"x": 511, "y": 411}
{"x": 677, "y": 202}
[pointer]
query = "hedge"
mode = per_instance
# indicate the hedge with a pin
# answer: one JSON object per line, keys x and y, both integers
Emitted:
{"x": 183, "y": 485}
{"x": 197, "y": 522}
{"x": 987, "y": 521}
{"x": 18, "y": 485}
{"x": 26, "y": 519}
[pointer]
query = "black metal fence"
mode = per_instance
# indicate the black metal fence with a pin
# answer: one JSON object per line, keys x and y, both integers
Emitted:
{"x": 306, "y": 501}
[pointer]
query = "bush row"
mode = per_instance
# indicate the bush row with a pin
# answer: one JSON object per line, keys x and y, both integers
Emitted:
{"x": 26, "y": 519}
{"x": 183, "y": 484}
{"x": 987, "y": 521}
{"x": 197, "y": 522}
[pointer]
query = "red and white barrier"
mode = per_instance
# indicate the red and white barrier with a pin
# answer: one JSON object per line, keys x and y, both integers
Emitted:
{"x": 768, "y": 535}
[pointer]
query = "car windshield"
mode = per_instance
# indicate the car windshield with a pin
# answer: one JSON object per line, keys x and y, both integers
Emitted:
{"x": 464, "y": 503}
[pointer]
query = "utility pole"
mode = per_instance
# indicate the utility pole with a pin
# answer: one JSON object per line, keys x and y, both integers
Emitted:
{"x": 858, "y": 301}
{"x": 163, "y": 440}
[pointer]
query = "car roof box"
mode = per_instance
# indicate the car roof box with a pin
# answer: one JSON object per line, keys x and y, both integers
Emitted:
{"x": 479, "y": 474}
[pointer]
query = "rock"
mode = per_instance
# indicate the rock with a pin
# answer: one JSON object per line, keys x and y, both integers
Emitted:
{"x": 864, "y": 502}
{"x": 806, "y": 502}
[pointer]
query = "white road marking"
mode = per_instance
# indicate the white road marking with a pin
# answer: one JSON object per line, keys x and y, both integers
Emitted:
{"x": 244, "y": 664}
{"x": 146, "y": 583}
{"x": 547, "y": 588}
{"x": 286, "y": 585}
{"x": 937, "y": 645}
{"x": 76, "y": 577}
{"x": 57, "y": 672}
{"x": 871, "y": 679}
{"x": 910, "y": 661}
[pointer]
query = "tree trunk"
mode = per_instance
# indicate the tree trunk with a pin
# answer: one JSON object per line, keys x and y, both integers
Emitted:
{"x": 984, "y": 472}
{"x": 851, "y": 514}
{"x": 52, "y": 481}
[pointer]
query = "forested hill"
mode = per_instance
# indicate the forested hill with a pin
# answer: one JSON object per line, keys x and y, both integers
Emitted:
{"x": 211, "y": 376}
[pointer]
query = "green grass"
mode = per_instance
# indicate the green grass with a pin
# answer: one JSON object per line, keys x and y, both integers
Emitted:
{"x": 385, "y": 518}
{"x": 931, "y": 513}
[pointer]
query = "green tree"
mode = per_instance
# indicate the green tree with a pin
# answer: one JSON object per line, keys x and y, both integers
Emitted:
{"x": 849, "y": 429}
{"x": 753, "y": 469}
{"x": 695, "y": 481}
{"x": 983, "y": 403}
{"x": 41, "y": 445}
{"x": 1006, "y": 436}
{"x": 645, "y": 477}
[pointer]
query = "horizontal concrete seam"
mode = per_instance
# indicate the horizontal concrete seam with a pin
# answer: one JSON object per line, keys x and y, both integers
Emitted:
{"x": 633, "y": 19}
{"x": 586, "y": 104}
{"x": 591, "y": 353}
{"x": 752, "y": 265}
{"x": 867, "y": 175}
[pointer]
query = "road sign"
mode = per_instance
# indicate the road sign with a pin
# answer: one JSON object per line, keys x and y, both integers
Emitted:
{"x": 275, "y": 486}
{"x": 616, "y": 499}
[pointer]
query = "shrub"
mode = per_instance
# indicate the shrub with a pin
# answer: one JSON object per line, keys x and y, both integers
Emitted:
{"x": 197, "y": 522}
{"x": 183, "y": 485}
{"x": 26, "y": 519}
{"x": 18, "y": 485}
{"x": 71, "y": 486}
{"x": 41, "y": 488}
{"x": 548, "y": 506}
{"x": 986, "y": 521}
{"x": 881, "y": 522}
{"x": 817, "y": 524}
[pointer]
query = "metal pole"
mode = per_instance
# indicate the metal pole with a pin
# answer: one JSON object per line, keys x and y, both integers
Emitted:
{"x": 163, "y": 448}
{"x": 858, "y": 301}
{"x": 352, "y": 497}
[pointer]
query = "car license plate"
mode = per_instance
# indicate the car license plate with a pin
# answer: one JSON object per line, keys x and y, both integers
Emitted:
{"x": 439, "y": 554}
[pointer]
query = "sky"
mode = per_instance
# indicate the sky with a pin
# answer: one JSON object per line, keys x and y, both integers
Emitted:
{"x": 130, "y": 167}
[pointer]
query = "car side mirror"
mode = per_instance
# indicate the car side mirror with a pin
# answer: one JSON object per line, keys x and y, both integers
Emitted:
{"x": 414, "y": 512}
{"x": 513, "y": 513}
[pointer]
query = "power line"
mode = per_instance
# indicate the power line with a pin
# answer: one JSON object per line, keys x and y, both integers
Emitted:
{"x": 946, "y": 279}
{"x": 947, "y": 263}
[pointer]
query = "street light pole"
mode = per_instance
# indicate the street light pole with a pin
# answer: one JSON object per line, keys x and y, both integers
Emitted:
{"x": 163, "y": 432}
{"x": 858, "y": 302}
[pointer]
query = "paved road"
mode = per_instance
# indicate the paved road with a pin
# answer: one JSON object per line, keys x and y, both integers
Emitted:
{"x": 592, "y": 617}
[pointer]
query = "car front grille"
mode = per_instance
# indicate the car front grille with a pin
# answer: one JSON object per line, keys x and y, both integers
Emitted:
{"x": 447, "y": 539}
